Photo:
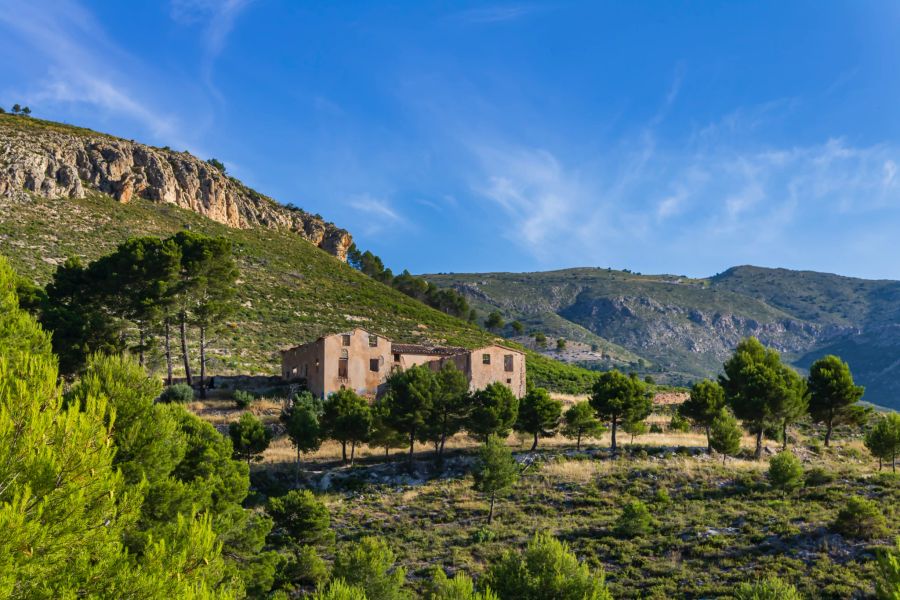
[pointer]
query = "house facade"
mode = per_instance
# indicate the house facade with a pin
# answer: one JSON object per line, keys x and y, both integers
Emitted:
{"x": 362, "y": 361}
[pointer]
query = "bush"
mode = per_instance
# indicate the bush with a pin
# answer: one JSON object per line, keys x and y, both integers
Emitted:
{"x": 771, "y": 588}
{"x": 242, "y": 398}
{"x": 662, "y": 497}
{"x": 304, "y": 567}
{"x": 655, "y": 428}
{"x": 635, "y": 519}
{"x": 460, "y": 587}
{"x": 818, "y": 476}
{"x": 547, "y": 569}
{"x": 301, "y": 517}
{"x": 369, "y": 564}
{"x": 180, "y": 393}
{"x": 340, "y": 590}
{"x": 785, "y": 471}
{"x": 888, "y": 584}
{"x": 861, "y": 519}
{"x": 679, "y": 423}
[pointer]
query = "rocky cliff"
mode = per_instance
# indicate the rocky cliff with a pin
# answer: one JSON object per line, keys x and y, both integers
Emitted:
{"x": 56, "y": 161}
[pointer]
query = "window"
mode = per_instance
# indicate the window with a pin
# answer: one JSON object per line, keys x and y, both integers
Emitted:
{"x": 345, "y": 339}
{"x": 374, "y": 365}
{"x": 306, "y": 370}
{"x": 396, "y": 357}
{"x": 373, "y": 341}
{"x": 342, "y": 368}
{"x": 508, "y": 362}
{"x": 485, "y": 359}
{"x": 294, "y": 371}
{"x": 509, "y": 381}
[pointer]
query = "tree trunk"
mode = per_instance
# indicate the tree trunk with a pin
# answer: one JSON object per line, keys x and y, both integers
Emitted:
{"x": 534, "y": 445}
{"x": 168, "y": 355}
{"x": 387, "y": 452}
{"x": 724, "y": 458}
{"x": 828, "y": 431}
{"x": 441, "y": 448}
{"x": 491, "y": 511}
{"x": 708, "y": 442}
{"x": 184, "y": 350}
{"x": 894, "y": 463}
{"x": 412, "y": 443}
{"x": 203, "y": 362}
{"x": 612, "y": 445}
{"x": 578, "y": 442}
{"x": 784, "y": 430}
{"x": 344, "y": 450}
{"x": 759, "y": 440}
{"x": 297, "y": 470}
{"x": 352, "y": 452}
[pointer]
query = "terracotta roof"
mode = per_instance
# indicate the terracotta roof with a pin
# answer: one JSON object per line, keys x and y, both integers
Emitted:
{"x": 427, "y": 350}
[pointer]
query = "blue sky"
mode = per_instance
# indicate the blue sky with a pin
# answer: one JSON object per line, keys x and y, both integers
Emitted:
{"x": 678, "y": 137}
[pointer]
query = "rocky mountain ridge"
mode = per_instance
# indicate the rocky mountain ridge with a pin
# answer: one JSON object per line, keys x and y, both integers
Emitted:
{"x": 57, "y": 161}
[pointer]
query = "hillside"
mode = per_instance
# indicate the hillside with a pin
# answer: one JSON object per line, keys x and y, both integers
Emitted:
{"x": 680, "y": 329}
{"x": 294, "y": 284}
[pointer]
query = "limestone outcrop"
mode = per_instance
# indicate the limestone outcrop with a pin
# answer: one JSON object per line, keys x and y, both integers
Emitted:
{"x": 54, "y": 162}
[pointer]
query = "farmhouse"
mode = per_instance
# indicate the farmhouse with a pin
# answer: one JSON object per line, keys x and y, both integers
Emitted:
{"x": 361, "y": 361}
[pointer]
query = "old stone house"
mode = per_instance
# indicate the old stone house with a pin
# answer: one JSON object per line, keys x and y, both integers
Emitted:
{"x": 361, "y": 361}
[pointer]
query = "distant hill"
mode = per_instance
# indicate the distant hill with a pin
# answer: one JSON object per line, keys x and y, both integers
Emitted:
{"x": 679, "y": 329}
{"x": 61, "y": 195}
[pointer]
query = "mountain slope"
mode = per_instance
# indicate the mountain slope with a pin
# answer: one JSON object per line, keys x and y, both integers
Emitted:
{"x": 54, "y": 160}
{"x": 682, "y": 329}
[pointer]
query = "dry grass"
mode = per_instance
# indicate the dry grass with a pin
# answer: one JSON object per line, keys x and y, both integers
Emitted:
{"x": 575, "y": 471}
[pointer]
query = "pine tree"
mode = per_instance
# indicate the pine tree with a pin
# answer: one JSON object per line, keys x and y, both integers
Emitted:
{"x": 496, "y": 471}
{"x": 539, "y": 415}
{"x": 249, "y": 437}
{"x": 494, "y": 411}
{"x": 832, "y": 393}
{"x": 706, "y": 401}
{"x": 303, "y": 427}
{"x": 369, "y": 564}
{"x": 410, "y": 401}
{"x": 725, "y": 435}
{"x": 347, "y": 418}
{"x": 581, "y": 422}
{"x": 450, "y": 407}
{"x": 883, "y": 440}
{"x": 617, "y": 397}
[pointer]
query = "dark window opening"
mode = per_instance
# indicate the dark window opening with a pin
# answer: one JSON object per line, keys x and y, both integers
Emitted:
{"x": 485, "y": 359}
{"x": 374, "y": 364}
{"x": 509, "y": 381}
{"x": 345, "y": 339}
{"x": 396, "y": 358}
{"x": 342, "y": 367}
{"x": 373, "y": 341}
{"x": 508, "y": 362}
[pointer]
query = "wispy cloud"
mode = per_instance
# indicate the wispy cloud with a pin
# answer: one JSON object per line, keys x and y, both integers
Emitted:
{"x": 374, "y": 215}
{"x": 82, "y": 64}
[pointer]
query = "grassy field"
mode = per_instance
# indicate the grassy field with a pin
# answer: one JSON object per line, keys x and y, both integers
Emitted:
{"x": 713, "y": 525}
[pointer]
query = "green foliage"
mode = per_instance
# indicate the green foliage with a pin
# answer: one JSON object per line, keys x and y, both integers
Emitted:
{"x": 369, "y": 564}
{"x": 617, "y": 397}
{"x": 340, "y": 590}
{"x": 861, "y": 518}
{"x": 706, "y": 401}
{"x": 180, "y": 393}
{"x": 888, "y": 584}
{"x": 635, "y": 519}
{"x": 217, "y": 164}
{"x": 725, "y": 435}
{"x": 679, "y": 423}
{"x": 494, "y": 321}
{"x": 539, "y": 414}
{"x": 785, "y": 471}
{"x": 347, "y": 418}
{"x": 383, "y": 435}
{"x": 301, "y": 517}
{"x": 561, "y": 345}
{"x": 883, "y": 440}
{"x": 460, "y": 587}
{"x": 449, "y": 409}
{"x": 540, "y": 339}
{"x": 635, "y": 428}
{"x": 581, "y": 422}
{"x": 495, "y": 471}
{"x": 761, "y": 390}
{"x": 249, "y": 437}
{"x": 546, "y": 569}
{"x": 517, "y": 327}
{"x": 302, "y": 425}
{"x": 770, "y": 588}
{"x": 494, "y": 411}
{"x": 243, "y": 399}
{"x": 410, "y": 401}
{"x": 832, "y": 393}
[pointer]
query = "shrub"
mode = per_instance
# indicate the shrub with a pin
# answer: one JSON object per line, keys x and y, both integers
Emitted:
{"x": 635, "y": 519}
{"x": 369, "y": 564}
{"x": 860, "y": 518}
{"x": 655, "y": 428}
{"x": 458, "y": 588}
{"x": 785, "y": 471}
{"x": 249, "y": 437}
{"x": 818, "y": 476}
{"x": 243, "y": 398}
{"x": 770, "y": 588}
{"x": 340, "y": 590}
{"x": 888, "y": 584}
{"x": 547, "y": 569}
{"x": 301, "y": 517}
{"x": 180, "y": 393}
{"x": 662, "y": 497}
